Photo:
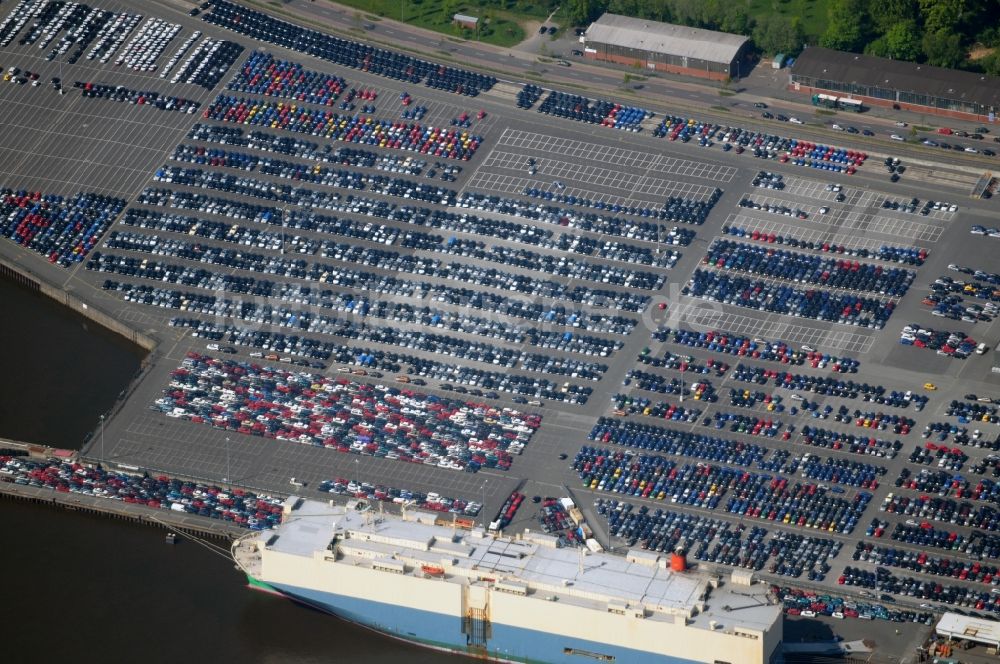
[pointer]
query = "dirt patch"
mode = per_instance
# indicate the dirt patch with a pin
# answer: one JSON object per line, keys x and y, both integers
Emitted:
{"x": 979, "y": 52}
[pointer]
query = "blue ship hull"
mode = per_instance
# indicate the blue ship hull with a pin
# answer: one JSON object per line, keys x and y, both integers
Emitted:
{"x": 444, "y": 632}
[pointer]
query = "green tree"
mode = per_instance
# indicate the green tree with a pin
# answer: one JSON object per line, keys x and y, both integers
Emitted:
{"x": 943, "y": 48}
{"x": 846, "y": 28}
{"x": 582, "y": 12}
{"x": 900, "y": 42}
{"x": 954, "y": 15}
{"x": 887, "y": 13}
{"x": 775, "y": 33}
{"x": 991, "y": 63}
{"x": 735, "y": 19}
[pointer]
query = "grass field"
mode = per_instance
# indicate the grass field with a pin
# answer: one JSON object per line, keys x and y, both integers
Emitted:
{"x": 811, "y": 14}
{"x": 501, "y": 23}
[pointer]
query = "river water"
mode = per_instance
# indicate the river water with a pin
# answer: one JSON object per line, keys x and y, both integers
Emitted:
{"x": 87, "y": 589}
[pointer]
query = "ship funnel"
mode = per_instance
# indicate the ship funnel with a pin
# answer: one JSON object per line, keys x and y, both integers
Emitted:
{"x": 678, "y": 561}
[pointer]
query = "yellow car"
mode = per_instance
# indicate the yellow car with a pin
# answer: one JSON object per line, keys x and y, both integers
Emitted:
{"x": 930, "y": 387}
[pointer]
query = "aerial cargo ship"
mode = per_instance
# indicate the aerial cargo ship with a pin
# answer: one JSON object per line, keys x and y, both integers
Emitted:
{"x": 507, "y": 599}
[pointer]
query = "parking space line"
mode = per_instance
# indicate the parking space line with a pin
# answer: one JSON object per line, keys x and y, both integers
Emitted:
{"x": 706, "y": 315}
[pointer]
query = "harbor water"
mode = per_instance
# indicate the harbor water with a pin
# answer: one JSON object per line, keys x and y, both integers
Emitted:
{"x": 84, "y": 588}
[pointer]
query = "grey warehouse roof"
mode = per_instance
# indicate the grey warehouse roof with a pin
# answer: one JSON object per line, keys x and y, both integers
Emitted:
{"x": 868, "y": 70}
{"x": 665, "y": 38}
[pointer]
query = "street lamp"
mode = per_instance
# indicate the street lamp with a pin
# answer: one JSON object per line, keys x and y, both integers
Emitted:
{"x": 102, "y": 439}
{"x": 228, "y": 473}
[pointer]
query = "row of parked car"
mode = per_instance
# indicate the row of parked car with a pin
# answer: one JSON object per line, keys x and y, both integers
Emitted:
{"x": 810, "y": 303}
{"x": 629, "y": 433}
{"x": 952, "y": 344}
{"x": 528, "y": 95}
{"x": 974, "y": 289}
{"x": 243, "y": 508}
{"x": 722, "y": 341}
{"x": 978, "y": 409}
{"x": 342, "y": 486}
{"x": 593, "y": 111}
{"x": 208, "y": 63}
{"x": 682, "y": 363}
{"x": 62, "y": 229}
{"x": 307, "y": 321}
{"x": 944, "y": 483}
{"x": 645, "y": 380}
{"x": 393, "y": 361}
{"x": 849, "y": 442}
{"x": 357, "y": 55}
{"x": 761, "y": 144}
{"x": 120, "y": 93}
{"x": 296, "y": 292}
{"x": 263, "y": 74}
{"x": 303, "y": 149}
{"x": 416, "y": 339}
{"x": 946, "y": 433}
{"x": 842, "y": 471}
{"x": 821, "y": 385}
{"x": 808, "y": 269}
{"x": 718, "y": 541}
{"x": 686, "y": 211}
{"x": 944, "y": 510}
{"x": 446, "y": 143}
{"x": 805, "y": 505}
{"x": 179, "y": 53}
{"x": 886, "y": 582}
{"x": 349, "y": 302}
{"x": 626, "y": 404}
{"x": 82, "y": 24}
{"x": 345, "y": 415}
{"x": 808, "y": 604}
{"x": 905, "y": 255}
{"x": 147, "y": 44}
{"x": 920, "y": 561}
{"x": 465, "y": 273}
{"x": 975, "y": 545}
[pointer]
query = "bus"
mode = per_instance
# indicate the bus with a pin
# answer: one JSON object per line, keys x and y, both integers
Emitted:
{"x": 849, "y": 104}
{"x": 828, "y": 101}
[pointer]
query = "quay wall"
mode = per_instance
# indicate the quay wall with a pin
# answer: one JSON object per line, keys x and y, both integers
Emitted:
{"x": 168, "y": 519}
{"x": 28, "y": 279}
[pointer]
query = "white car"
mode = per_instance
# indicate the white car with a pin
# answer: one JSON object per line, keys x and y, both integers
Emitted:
{"x": 897, "y": 137}
{"x": 972, "y": 149}
{"x": 824, "y": 210}
{"x": 837, "y": 127}
{"x": 795, "y": 120}
{"x": 901, "y": 124}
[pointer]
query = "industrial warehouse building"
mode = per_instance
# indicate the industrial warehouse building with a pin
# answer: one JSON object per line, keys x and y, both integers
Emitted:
{"x": 896, "y": 84}
{"x": 676, "y": 49}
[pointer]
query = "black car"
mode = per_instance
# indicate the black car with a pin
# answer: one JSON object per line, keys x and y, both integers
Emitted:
{"x": 759, "y": 104}
{"x": 852, "y": 130}
{"x": 552, "y": 30}
{"x": 781, "y": 117}
{"x": 766, "y": 115}
{"x": 542, "y": 30}
{"x": 867, "y": 132}
{"x": 988, "y": 152}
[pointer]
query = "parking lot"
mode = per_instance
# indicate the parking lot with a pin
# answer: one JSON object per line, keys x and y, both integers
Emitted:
{"x": 509, "y": 259}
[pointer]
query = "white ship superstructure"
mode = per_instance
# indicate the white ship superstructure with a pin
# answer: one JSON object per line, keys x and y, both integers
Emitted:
{"x": 519, "y": 599}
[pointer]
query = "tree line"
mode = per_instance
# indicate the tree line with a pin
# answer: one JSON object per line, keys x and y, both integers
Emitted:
{"x": 946, "y": 33}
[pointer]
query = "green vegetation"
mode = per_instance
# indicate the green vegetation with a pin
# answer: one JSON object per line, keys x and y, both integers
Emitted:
{"x": 501, "y": 22}
{"x": 948, "y": 33}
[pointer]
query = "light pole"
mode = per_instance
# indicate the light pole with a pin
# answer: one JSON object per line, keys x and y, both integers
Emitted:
{"x": 226, "y": 478}
{"x": 102, "y": 439}
{"x": 482, "y": 509}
